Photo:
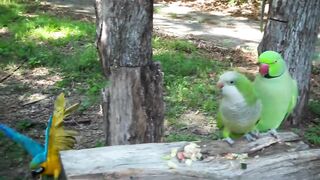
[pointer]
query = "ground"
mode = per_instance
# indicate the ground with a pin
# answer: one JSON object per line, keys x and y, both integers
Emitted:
{"x": 27, "y": 93}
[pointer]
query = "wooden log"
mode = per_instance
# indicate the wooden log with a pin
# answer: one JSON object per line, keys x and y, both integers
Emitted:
{"x": 242, "y": 146}
{"x": 145, "y": 161}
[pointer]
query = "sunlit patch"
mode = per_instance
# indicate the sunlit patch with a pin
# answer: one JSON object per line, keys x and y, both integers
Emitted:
{"x": 159, "y": 51}
{"x": 40, "y": 77}
{"x": 32, "y": 98}
{"x": 50, "y": 33}
{"x": 10, "y": 67}
{"x": 43, "y": 82}
{"x": 4, "y": 31}
{"x": 41, "y": 71}
{"x": 29, "y": 15}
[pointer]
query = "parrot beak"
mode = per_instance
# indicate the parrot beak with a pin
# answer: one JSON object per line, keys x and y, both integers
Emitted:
{"x": 264, "y": 69}
{"x": 220, "y": 85}
{"x": 37, "y": 172}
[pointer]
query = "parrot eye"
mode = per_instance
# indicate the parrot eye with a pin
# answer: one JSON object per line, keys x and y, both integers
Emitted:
{"x": 231, "y": 82}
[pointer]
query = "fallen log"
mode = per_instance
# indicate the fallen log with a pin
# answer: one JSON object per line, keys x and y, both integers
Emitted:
{"x": 146, "y": 161}
{"x": 213, "y": 148}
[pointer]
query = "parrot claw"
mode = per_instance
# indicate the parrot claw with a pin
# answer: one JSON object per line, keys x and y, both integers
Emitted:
{"x": 255, "y": 134}
{"x": 249, "y": 137}
{"x": 229, "y": 141}
{"x": 274, "y": 133}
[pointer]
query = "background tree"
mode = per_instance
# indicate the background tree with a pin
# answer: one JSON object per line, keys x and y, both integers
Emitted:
{"x": 292, "y": 30}
{"x": 133, "y": 105}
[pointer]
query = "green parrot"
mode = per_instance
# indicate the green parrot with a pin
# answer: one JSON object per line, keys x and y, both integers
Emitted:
{"x": 276, "y": 89}
{"x": 240, "y": 107}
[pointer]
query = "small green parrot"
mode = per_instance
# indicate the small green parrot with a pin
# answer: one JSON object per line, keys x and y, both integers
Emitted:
{"x": 276, "y": 89}
{"x": 239, "y": 108}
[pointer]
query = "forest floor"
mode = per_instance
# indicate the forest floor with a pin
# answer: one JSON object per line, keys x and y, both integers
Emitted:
{"x": 216, "y": 38}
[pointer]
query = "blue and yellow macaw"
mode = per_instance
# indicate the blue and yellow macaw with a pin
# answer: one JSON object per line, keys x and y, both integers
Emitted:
{"x": 46, "y": 160}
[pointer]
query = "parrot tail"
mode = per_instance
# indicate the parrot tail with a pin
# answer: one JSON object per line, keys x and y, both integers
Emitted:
{"x": 29, "y": 144}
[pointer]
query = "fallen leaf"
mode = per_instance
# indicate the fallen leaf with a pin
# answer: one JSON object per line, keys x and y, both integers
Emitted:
{"x": 174, "y": 152}
{"x": 166, "y": 157}
{"x": 172, "y": 165}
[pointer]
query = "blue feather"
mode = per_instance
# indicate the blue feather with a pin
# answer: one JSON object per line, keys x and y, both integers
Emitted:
{"x": 30, "y": 145}
{"x": 47, "y": 136}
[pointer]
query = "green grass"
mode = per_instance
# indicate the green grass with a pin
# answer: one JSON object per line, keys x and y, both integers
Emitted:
{"x": 312, "y": 134}
{"x": 173, "y": 15}
{"x": 157, "y": 9}
{"x": 64, "y": 46}
{"x": 186, "y": 77}
{"x": 314, "y": 106}
{"x": 24, "y": 124}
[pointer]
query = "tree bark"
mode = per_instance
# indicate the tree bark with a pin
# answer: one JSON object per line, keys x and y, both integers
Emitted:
{"x": 133, "y": 105}
{"x": 292, "y": 30}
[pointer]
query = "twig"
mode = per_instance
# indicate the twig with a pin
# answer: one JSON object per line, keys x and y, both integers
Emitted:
{"x": 35, "y": 101}
{"x": 9, "y": 75}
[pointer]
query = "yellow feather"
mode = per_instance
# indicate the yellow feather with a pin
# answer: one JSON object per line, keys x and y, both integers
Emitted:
{"x": 71, "y": 109}
{"x": 59, "y": 138}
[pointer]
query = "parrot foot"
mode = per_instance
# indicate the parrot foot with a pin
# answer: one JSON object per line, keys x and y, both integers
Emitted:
{"x": 229, "y": 141}
{"x": 274, "y": 133}
{"x": 255, "y": 134}
{"x": 250, "y": 137}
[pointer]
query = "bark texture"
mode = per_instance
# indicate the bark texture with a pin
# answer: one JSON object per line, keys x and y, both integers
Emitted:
{"x": 292, "y": 30}
{"x": 124, "y": 33}
{"x": 133, "y": 107}
{"x": 133, "y": 104}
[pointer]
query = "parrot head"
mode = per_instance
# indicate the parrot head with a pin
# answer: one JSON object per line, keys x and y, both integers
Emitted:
{"x": 232, "y": 83}
{"x": 271, "y": 64}
{"x": 229, "y": 82}
{"x": 36, "y": 165}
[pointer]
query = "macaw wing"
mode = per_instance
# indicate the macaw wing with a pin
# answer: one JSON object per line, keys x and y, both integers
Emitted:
{"x": 31, "y": 146}
{"x": 58, "y": 138}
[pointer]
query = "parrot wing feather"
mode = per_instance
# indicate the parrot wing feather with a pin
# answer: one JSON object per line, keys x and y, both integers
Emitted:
{"x": 31, "y": 146}
{"x": 294, "y": 97}
{"x": 71, "y": 109}
{"x": 59, "y": 138}
{"x": 219, "y": 120}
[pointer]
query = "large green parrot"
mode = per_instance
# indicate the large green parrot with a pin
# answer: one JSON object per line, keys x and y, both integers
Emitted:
{"x": 276, "y": 89}
{"x": 239, "y": 108}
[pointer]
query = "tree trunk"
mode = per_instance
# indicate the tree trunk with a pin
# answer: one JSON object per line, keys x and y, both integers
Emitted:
{"x": 133, "y": 105}
{"x": 292, "y": 30}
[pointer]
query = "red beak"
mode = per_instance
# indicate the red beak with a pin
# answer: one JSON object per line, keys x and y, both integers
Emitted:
{"x": 220, "y": 85}
{"x": 264, "y": 69}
